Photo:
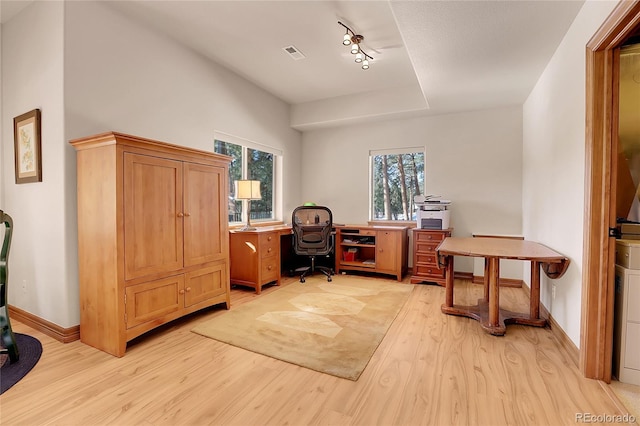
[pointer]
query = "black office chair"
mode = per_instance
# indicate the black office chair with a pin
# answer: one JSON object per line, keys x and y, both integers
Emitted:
{"x": 312, "y": 226}
{"x": 9, "y": 345}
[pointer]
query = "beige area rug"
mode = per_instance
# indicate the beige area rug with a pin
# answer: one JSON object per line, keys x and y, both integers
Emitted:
{"x": 331, "y": 327}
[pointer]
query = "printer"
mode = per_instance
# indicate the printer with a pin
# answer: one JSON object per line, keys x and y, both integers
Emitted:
{"x": 432, "y": 212}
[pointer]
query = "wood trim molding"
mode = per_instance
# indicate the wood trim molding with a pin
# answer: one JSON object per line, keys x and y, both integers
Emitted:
{"x": 596, "y": 328}
{"x": 503, "y": 282}
{"x": 463, "y": 275}
{"x": 64, "y": 335}
{"x": 567, "y": 344}
{"x": 456, "y": 275}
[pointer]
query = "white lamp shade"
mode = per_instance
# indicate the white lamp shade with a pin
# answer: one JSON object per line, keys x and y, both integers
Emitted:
{"x": 365, "y": 64}
{"x": 355, "y": 48}
{"x": 347, "y": 39}
{"x": 248, "y": 190}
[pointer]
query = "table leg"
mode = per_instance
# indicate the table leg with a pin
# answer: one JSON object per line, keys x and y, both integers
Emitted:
{"x": 449, "y": 282}
{"x": 494, "y": 292}
{"x": 487, "y": 311}
{"x": 486, "y": 279}
{"x": 534, "y": 298}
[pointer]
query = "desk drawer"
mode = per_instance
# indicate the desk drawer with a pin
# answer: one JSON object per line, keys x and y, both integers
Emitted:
{"x": 269, "y": 244}
{"x": 628, "y": 253}
{"x": 269, "y": 270}
{"x": 359, "y": 233}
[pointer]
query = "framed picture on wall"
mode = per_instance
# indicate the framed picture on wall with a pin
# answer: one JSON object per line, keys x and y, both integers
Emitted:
{"x": 27, "y": 147}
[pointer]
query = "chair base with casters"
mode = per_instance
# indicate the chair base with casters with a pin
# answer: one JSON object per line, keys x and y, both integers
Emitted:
{"x": 309, "y": 270}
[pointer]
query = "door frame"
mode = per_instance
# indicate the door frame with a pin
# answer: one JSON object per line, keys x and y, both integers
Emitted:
{"x": 602, "y": 66}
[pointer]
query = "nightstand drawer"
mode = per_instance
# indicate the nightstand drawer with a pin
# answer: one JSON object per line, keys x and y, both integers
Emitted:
{"x": 426, "y": 236}
{"x": 430, "y": 258}
{"x": 432, "y": 271}
{"x": 426, "y": 247}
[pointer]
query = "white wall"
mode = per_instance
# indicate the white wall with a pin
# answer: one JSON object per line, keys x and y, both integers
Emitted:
{"x": 90, "y": 71}
{"x": 359, "y": 108}
{"x": 553, "y": 164}
{"x": 473, "y": 159}
{"x": 90, "y": 68}
{"x": 42, "y": 276}
{"x": 125, "y": 77}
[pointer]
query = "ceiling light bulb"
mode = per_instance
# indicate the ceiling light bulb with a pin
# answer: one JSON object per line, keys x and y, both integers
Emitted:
{"x": 365, "y": 64}
{"x": 359, "y": 57}
{"x": 355, "y": 48}
{"x": 347, "y": 39}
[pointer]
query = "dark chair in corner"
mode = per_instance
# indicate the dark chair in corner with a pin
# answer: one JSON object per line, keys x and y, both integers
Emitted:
{"x": 9, "y": 345}
{"x": 312, "y": 227}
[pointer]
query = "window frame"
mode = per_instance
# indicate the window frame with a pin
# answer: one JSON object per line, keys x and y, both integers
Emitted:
{"x": 393, "y": 151}
{"x": 245, "y": 145}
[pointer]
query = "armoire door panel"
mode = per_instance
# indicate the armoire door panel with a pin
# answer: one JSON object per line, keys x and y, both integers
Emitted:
{"x": 203, "y": 236}
{"x": 151, "y": 301}
{"x": 387, "y": 243}
{"x": 153, "y": 215}
{"x": 204, "y": 284}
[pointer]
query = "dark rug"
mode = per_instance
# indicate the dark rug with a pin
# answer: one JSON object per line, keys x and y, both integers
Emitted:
{"x": 30, "y": 350}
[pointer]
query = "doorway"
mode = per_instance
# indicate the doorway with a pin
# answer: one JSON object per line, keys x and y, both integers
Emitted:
{"x": 602, "y": 102}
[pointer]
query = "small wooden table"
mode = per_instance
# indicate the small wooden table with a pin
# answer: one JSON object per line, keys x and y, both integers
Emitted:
{"x": 487, "y": 311}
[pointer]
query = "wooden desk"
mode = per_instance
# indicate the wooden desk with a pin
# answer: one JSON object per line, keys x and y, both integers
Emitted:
{"x": 487, "y": 311}
{"x": 255, "y": 256}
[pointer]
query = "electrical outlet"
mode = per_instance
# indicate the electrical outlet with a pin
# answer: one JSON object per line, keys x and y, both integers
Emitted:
{"x": 553, "y": 291}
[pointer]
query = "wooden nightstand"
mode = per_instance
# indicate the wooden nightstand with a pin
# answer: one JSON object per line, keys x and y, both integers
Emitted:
{"x": 425, "y": 260}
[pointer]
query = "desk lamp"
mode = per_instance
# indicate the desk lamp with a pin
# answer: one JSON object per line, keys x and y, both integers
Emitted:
{"x": 248, "y": 190}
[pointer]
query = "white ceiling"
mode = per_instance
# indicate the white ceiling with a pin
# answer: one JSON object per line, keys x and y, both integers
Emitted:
{"x": 8, "y": 9}
{"x": 461, "y": 55}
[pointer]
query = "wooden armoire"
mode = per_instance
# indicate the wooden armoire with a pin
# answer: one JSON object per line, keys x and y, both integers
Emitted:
{"x": 153, "y": 240}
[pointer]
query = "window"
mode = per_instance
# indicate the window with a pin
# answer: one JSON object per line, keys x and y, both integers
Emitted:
{"x": 397, "y": 176}
{"x": 249, "y": 162}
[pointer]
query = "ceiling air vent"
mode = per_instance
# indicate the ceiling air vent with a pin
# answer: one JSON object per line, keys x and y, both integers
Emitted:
{"x": 294, "y": 52}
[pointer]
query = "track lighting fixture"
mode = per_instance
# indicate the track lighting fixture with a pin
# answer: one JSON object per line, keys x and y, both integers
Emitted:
{"x": 347, "y": 39}
{"x": 355, "y": 41}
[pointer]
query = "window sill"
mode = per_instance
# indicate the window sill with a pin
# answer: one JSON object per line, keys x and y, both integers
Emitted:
{"x": 408, "y": 223}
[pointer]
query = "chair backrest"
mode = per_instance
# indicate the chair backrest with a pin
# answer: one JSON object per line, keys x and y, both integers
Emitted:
{"x": 7, "y": 222}
{"x": 312, "y": 226}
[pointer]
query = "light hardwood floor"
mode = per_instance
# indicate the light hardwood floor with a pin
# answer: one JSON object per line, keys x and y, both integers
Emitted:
{"x": 431, "y": 369}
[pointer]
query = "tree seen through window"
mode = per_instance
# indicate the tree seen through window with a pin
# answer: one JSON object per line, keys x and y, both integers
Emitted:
{"x": 396, "y": 179}
{"x": 249, "y": 163}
